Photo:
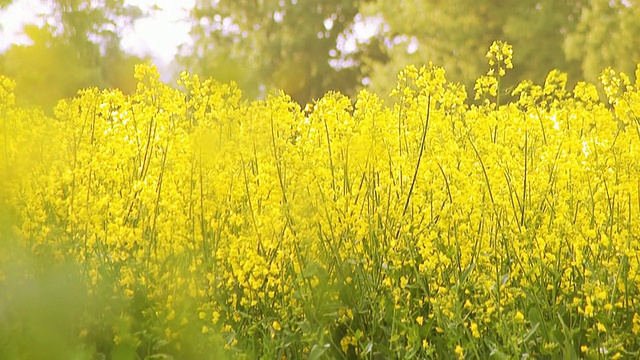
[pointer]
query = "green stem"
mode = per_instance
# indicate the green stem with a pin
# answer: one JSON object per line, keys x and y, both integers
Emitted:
{"x": 415, "y": 172}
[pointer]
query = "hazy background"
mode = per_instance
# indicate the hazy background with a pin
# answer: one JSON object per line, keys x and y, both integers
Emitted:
{"x": 306, "y": 47}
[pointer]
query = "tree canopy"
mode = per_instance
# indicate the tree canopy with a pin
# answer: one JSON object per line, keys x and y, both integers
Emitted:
{"x": 307, "y": 48}
{"x": 290, "y": 44}
{"x": 78, "y": 47}
{"x": 280, "y": 44}
{"x": 578, "y": 37}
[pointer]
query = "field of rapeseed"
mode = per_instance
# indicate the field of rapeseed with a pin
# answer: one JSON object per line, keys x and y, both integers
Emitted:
{"x": 189, "y": 223}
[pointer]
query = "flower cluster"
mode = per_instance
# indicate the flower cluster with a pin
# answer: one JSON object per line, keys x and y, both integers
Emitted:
{"x": 345, "y": 229}
{"x": 499, "y": 57}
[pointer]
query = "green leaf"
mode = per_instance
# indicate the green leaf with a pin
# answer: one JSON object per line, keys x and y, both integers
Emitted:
{"x": 368, "y": 348}
{"x": 535, "y": 316}
{"x": 312, "y": 268}
{"x": 317, "y": 351}
{"x": 159, "y": 357}
{"x": 498, "y": 355}
{"x": 530, "y": 333}
{"x": 466, "y": 272}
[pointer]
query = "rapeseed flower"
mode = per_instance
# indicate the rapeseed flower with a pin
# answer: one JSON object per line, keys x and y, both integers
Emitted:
{"x": 420, "y": 225}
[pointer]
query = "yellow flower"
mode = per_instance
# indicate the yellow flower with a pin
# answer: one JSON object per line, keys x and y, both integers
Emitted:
{"x": 459, "y": 351}
{"x": 500, "y": 53}
{"x": 474, "y": 330}
{"x": 467, "y": 304}
{"x": 420, "y": 320}
{"x": 636, "y": 324}
{"x": 276, "y": 325}
{"x": 589, "y": 309}
{"x": 346, "y": 342}
{"x": 519, "y": 316}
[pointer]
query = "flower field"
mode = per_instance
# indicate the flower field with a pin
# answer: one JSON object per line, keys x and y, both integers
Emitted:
{"x": 185, "y": 222}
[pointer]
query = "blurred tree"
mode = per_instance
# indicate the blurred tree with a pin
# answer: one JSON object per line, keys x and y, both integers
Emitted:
{"x": 47, "y": 70}
{"x": 457, "y": 34}
{"x": 283, "y": 44}
{"x": 607, "y": 34}
{"x": 79, "y": 46}
{"x": 298, "y": 45}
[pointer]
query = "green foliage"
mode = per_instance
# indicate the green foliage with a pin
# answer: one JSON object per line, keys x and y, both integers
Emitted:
{"x": 606, "y": 35}
{"x": 274, "y": 44}
{"x": 80, "y": 51}
{"x": 456, "y": 34}
{"x": 577, "y": 37}
{"x": 295, "y": 45}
